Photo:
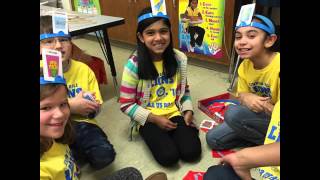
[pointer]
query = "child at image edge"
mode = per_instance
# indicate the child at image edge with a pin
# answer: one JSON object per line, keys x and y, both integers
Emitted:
{"x": 258, "y": 88}
{"x": 56, "y": 133}
{"x": 91, "y": 143}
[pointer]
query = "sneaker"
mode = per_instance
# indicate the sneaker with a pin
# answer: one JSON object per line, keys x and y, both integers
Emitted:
{"x": 191, "y": 49}
{"x": 200, "y": 47}
{"x": 157, "y": 176}
{"x": 196, "y": 36}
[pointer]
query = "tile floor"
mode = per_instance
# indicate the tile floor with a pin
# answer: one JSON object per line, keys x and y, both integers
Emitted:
{"x": 203, "y": 82}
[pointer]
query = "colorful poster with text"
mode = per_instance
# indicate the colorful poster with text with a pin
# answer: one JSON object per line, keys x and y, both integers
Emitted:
{"x": 87, "y": 6}
{"x": 201, "y": 27}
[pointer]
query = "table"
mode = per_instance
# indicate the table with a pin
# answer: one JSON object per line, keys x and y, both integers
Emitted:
{"x": 80, "y": 24}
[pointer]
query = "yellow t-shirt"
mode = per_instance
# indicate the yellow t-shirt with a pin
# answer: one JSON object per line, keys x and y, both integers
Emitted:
{"x": 263, "y": 82}
{"x": 163, "y": 94}
{"x": 79, "y": 78}
{"x": 194, "y": 13}
{"x": 58, "y": 164}
{"x": 273, "y": 135}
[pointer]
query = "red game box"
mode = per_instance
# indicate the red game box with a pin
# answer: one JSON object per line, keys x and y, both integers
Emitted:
{"x": 204, "y": 106}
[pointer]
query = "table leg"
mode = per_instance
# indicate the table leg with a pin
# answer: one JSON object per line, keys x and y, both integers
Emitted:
{"x": 106, "y": 49}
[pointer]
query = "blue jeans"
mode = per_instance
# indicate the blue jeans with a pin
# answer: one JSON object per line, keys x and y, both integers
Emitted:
{"x": 241, "y": 128}
{"x": 92, "y": 145}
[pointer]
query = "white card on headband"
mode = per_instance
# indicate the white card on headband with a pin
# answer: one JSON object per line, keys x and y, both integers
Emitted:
{"x": 158, "y": 6}
{"x": 246, "y": 13}
{"x": 60, "y": 22}
{"x": 52, "y": 64}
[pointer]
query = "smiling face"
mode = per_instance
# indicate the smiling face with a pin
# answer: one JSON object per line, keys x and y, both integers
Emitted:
{"x": 156, "y": 38}
{"x": 54, "y": 113}
{"x": 249, "y": 41}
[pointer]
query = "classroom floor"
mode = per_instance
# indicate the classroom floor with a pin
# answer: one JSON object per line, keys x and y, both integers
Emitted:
{"x": 203, "y": 83}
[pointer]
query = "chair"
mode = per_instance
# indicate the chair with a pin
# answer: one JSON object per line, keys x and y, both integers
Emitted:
{"x": 96, "y": 64}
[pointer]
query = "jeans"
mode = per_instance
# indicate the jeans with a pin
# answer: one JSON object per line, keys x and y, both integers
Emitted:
{"x": 92, "y": 145}
{"x": 168, "y": 147}
{"x": 193, "y": 30}
{"x": 241, "y": 128}
{"x": 220, "y": 172}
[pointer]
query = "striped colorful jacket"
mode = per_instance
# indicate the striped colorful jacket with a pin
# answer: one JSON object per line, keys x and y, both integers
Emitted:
{"x": 135, "y": 92}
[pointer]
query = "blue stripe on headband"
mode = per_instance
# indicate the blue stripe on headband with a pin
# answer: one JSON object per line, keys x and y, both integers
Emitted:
{"x": 53, "y": 35}
{"x": 269, "y": 28}
{"x": 57, "y": 80}
{"x": 150, "y": 15}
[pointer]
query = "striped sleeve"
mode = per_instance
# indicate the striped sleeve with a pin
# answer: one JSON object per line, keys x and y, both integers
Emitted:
{"x": 186, "y": 100}
{"x": 128, "y": 93}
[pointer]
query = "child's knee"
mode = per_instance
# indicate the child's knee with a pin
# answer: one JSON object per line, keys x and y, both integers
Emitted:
{"x": 220, "y": 172}
{"x": 101, "y": 157}
{"x": 213, "y": 138}
{"x": 213, "y": 142}
{"x": 168, "y": 158}
{"x": 191, "y": 154}
{"x": 233, "y": 112}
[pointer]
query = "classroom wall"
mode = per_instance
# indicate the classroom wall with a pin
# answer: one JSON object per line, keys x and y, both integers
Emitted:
{"x": 276, "y": 15}
{"x": 66, "y": 4}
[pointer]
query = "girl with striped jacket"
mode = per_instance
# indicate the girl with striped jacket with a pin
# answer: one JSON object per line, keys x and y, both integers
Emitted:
{"x": 155, "y": 94}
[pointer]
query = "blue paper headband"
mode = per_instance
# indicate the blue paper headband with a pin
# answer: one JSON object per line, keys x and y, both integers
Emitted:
{"x": 53, "y": 35}
{"x": 150, "y": 15}
{"x": 269, "y": 28}
{"x": 57, "y": 80}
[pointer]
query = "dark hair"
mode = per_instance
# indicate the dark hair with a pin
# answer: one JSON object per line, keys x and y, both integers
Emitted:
{"x": 146, "y": 69}
{"x": 276, "y": 45}
{"x": 190, "y": 2}
{"x": 68, "y": 135}
{"x": 46, "y": 24}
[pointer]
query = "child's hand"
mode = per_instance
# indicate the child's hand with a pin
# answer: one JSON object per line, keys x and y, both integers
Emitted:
{"x": 235, "y": 160}
{"x": 188, "y": 117}
{"x": 94, "y": 96}
{"x": 162, "y": 122}
{"x": 252, "y": 101}
{"x": 268, "y": 106}
{"x": 82, "y": 106}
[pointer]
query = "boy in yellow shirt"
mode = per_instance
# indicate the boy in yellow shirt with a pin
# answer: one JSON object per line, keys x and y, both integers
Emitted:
{"x": 91, "y": 143}
{"x": 258, "y": 88}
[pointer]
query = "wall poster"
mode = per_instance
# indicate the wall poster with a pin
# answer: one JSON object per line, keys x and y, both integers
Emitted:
{"x": 201, "y": 26}
{"x": 87, "y": 6}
